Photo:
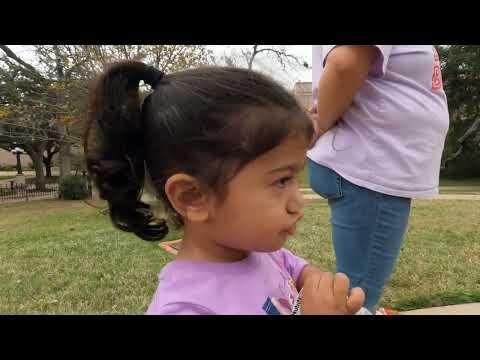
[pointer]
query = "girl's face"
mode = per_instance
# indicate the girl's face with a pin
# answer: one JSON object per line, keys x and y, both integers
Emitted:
{"x": 263, "y": 202}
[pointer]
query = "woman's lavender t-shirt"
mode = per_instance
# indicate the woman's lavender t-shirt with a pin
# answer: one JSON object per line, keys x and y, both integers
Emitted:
{"x": 391, "y": 138}
{"x": 262, "y": 283}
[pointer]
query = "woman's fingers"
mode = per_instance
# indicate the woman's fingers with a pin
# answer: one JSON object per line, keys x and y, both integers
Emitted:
{"x": 340, "y": 289}
{"x": 356, "y": 300}
{"x": 326, "y": 293}
{"x": 325, "y": 285}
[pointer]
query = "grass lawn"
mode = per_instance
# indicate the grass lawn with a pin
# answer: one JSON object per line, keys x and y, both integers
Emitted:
{"x": 67, "y": 259}
{"x": 303, "y": 178}
{"x": 467, "y": 182}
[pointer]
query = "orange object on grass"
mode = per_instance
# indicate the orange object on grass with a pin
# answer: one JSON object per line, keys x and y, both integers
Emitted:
{"x": 171, "y": 246}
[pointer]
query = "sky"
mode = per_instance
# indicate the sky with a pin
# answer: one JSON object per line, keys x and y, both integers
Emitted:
{"x": 262, "y": 63}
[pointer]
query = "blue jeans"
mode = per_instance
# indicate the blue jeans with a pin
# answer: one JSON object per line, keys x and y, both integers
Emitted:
{"x": 368, "y": 228}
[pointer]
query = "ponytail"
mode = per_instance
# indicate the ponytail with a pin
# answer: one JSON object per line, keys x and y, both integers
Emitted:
{"x": 114, "y": 147}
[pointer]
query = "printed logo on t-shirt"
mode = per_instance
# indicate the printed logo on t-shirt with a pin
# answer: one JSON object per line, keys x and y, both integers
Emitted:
{"x": 287, "y": 303}
{"x": 277, "y": 306}
{"x": 270, "y": 308}
{"x": 437, "y": 73}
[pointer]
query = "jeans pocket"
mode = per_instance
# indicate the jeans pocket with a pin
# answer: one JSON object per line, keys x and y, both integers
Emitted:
{"x": 324, "y": 181}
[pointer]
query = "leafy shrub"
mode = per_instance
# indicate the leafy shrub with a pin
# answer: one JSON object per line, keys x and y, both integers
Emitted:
{"x": 74, "y": 188}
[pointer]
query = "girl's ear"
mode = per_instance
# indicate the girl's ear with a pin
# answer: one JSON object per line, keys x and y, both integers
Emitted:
{"x": 187, "y": 197}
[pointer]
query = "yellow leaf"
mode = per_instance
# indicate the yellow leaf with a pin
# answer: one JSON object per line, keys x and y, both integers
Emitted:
{"x": 66, "y": 119}
{"x": 3, "y": 113}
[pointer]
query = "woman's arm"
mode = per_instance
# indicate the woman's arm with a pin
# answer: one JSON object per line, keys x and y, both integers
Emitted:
{"x": 346, "y": 69}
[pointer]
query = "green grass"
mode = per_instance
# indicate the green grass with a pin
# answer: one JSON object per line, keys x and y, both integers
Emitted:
{"x": 6, "y": 177}
{"x": 303, "y": 178}
{"x": 468, "y": 182}
{"x": 67, "y": 259}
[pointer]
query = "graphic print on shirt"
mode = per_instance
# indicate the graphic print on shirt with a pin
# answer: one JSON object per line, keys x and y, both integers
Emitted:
{"x": 286, "y": 304}
{"x": 437, "y": 73}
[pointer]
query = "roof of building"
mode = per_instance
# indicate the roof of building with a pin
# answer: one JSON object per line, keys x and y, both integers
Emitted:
{"x": 302, "y": 86}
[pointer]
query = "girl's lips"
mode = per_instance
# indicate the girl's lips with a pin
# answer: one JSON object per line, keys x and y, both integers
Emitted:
{"x": 292, "y": 230}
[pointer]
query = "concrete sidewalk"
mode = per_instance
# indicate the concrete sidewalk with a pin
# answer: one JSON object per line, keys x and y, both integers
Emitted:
{"x": 463, "y": 309}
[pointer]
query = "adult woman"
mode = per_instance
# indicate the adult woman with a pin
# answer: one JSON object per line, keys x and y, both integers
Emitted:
{"x": 381, "y": 119}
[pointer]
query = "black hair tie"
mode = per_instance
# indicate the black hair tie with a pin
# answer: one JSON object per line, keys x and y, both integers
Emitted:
{"x": 152, "y": 76}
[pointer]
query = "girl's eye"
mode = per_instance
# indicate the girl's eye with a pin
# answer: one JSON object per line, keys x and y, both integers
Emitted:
{"x": 283, "y": 182}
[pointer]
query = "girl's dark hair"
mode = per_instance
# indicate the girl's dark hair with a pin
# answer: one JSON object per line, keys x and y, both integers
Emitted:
{"x": 206, "y": 122}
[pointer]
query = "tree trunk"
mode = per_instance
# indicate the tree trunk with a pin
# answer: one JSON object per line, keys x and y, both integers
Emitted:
{"x": 252, "y": 57}
{"x": 64, "y": 153}
{"x": 37, "y": 160}
{"x": 35, "y": 152}
{"x": 19, "y": 164}
{"x": 250, "y": 63}
{"x": 47, "y": 161}
{"x": 65, "y": 160}
{"x": 65, "y": 147}
{"x": 51, "y": 150}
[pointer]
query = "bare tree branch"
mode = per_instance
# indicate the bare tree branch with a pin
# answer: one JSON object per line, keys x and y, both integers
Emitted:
{"x": 27, "y": 67}
{"x": 471, "y": 130}
{"x": 281, "y": 54}
{"x": 74, "y": 68}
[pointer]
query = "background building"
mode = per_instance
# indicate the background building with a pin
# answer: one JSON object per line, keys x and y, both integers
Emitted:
{"x": 303, "y": 93}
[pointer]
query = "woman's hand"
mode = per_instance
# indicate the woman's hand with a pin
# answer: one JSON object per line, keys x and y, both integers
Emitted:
{"x": 316, "y": 126}
{"x": 328, "y": 294}
{"x": 346, "y": 69}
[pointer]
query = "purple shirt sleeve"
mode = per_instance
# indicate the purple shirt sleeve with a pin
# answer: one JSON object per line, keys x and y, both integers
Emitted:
{"x": 379, "y": 66}
{"x": 293, "y": 264}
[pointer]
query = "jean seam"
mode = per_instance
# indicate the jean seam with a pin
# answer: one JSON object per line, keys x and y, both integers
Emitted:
{"x": 375, "y": 243}
{"x": 371, "y": 267}
{"x": 339, "y": 186}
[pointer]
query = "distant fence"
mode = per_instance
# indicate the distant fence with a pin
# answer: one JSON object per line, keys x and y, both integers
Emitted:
{"x": 12, "y": 193}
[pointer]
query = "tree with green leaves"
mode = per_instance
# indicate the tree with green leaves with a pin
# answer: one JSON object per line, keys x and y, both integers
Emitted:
{"x": 34, "y": 109}
{"x": 461, "y": 78}
{"x": 39, "y": 104}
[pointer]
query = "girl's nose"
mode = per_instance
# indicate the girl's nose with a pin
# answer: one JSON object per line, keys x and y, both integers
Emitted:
{"x": 296, "y": 203}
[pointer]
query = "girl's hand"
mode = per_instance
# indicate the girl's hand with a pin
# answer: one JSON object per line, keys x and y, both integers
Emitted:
{"x": 328, "y": 294}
